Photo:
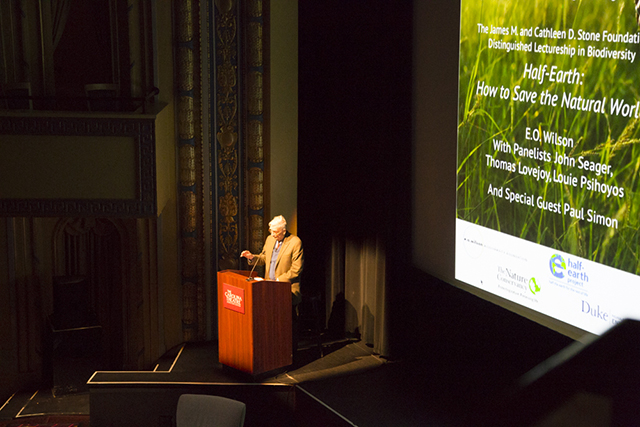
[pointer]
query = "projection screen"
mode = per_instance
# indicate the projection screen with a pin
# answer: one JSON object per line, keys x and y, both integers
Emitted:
{"x": 548, "y": 154}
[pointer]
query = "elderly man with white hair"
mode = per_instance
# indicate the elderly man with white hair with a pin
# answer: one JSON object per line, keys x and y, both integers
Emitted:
{"x": 282, "y": 255}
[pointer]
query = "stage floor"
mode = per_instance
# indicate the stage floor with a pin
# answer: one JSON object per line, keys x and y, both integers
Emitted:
{"x": 437, "y": 388}
{"x": 193, "y": 363}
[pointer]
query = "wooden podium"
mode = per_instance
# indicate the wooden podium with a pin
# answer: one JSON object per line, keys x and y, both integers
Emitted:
{"x": 254, "y": 323}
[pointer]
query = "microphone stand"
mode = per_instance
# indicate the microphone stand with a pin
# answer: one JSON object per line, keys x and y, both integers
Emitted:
{"x": 250, "y": 278}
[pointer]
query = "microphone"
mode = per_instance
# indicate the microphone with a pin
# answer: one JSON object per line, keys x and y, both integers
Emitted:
{"x": 250, "y": 278}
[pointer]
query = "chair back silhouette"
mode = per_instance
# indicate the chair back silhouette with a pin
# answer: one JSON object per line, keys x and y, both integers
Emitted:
{"x": 201, "y": 410}
{"x": 102, "y": 96}
{"x": 18, "y": 95}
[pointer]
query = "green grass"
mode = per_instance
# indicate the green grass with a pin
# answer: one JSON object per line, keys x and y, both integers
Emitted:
{"x": 603, "y": 138}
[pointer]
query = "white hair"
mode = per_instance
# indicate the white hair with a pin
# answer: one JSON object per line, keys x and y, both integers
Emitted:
{"x": 277, "y": 223}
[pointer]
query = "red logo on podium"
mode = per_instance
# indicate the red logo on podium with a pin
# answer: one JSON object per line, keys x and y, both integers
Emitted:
{"x": 233, "y": 298}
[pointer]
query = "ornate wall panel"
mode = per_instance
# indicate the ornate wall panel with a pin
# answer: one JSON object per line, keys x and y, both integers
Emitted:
{"x": 225, "y": 105}
{"x": 237, "y": 56}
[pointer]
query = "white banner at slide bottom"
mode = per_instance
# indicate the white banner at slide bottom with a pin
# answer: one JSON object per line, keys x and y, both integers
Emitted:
{"x": 574, "y": 290}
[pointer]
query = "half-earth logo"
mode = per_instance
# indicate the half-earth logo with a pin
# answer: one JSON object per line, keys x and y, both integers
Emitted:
{"x": 573, "y": 270}
{"x": 557, "y": 266}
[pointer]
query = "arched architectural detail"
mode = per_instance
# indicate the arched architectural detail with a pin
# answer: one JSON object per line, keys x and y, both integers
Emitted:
{"x": 98, "y": 249}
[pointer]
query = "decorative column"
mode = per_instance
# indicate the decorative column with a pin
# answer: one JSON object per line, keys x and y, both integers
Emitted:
{"x": 255, "y": 66}
{"x": 191, "y": 198}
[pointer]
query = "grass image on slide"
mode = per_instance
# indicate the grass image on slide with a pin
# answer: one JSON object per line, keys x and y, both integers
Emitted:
{"x": 552, "y": 158}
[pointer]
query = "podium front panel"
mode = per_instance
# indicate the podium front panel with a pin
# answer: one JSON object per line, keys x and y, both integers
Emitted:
{"x": 272, "y": 342}
{"x": 235, "y": 329}
{"x": 254, "y": 323}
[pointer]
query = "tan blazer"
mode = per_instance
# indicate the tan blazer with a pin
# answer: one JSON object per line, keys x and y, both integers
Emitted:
{"x": 289, "y": 264}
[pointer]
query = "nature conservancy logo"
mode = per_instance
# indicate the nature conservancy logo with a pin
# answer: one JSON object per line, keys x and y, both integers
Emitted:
{"x": 517, "y": 283}
{"x": 533, "y": 286}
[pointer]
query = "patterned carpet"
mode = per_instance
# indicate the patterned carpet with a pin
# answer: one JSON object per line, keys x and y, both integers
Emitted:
{"x": 49, "y": 421}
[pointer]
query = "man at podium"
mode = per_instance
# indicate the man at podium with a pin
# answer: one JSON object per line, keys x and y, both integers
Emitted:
{"x": 282, "y": 256}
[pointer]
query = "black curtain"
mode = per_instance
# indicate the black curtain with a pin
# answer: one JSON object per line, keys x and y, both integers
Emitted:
{"x": 354, "y": 131}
